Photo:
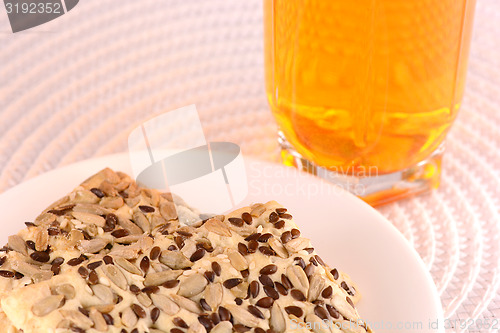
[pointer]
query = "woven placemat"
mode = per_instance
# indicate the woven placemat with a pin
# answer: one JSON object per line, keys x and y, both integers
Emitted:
{"x": 73, "y": 89}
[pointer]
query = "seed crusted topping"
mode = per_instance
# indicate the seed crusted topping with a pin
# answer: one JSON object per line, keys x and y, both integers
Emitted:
{"x": 114, "y": 257}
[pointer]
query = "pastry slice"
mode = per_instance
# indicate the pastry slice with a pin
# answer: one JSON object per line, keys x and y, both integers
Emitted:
{"x": 114, "y": 257}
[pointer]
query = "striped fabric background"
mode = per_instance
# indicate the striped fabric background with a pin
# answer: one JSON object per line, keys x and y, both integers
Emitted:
{"x": 73, "y": 89}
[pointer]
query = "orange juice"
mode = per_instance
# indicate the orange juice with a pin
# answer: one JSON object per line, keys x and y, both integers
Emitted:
{"x": 366, "y": 83}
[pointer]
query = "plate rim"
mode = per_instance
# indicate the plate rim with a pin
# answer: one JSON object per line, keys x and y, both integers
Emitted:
{"x": 123, "y": 156}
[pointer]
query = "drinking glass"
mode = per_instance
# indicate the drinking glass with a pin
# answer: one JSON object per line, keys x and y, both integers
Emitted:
{"x": 364, "y": 92}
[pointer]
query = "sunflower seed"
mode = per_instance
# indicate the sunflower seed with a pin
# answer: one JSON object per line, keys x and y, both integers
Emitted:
{"x": 199, "y": 327}
{"x": 77, "y": 318}
{"x": 168, "y": 211}
{"x": 42, "y": 276}
{"x": 174, "y": 259}
{"x": 186, "y": 303}
{"x": 128, "y": 266}
{"x": 129, "y": 319}
{"x": 112, "y": 202}
{"x": 89, "y": 218}
{"x": 223, "y": 327}
{"x": 241, "y": 290}
{"x": 213, "y": 295}
{"x": 24, "y": 267}
{"x": 157, "y": 278}
{"x": 218, "y": 227}
{"x": 165, "y": 304}
{"x": 297, "y": 244}
{"x": 46, "y": 305}
{"x": 65, "y": 289}
{"x": 92, "y": 246}
{"x": 278, "y": 248}
{"x": 99, "y": 322}
{"x": 130, "y": 226}
{"x": 142, "y": 221}
{"x": 243, "y": 316}
{"x": 17, "y": 244}
{"x": 257, "y": 210}
{"x": 277, "y": 319}
{"x": 237, "y": 260}
{"x": 115, "y": 276}
{"x": 105, "y": 294}
{"x": 316, "y": 285}
{"x": 341, "y": 305}
{"x": 192, "y": 285}
{"x": 298, "y": 278}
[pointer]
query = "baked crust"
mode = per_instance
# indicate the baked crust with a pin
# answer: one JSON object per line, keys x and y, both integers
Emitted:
{"x": 112, "y": 256}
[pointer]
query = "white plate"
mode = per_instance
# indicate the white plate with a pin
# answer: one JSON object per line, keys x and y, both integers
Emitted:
{"x": 398, "y": 292}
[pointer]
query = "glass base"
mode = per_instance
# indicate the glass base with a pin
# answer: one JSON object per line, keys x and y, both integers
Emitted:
{"x": 372, "y": 187}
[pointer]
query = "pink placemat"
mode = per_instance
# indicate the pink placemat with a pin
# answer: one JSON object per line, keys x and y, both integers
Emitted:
{"x": 74, "y": 88}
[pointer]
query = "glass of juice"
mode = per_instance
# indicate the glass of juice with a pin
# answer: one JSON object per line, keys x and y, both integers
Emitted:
{"x": 364, "y": 92}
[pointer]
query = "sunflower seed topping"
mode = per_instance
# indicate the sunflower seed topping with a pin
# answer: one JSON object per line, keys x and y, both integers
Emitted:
{"x": 46, "y": 305}
{"x": 115, "y": 256}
